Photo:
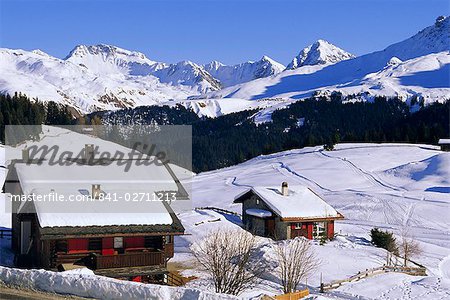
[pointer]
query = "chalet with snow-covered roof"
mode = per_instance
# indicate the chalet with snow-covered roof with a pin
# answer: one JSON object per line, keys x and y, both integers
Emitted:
{"x": 445, "y": 144}
{"x": 287, "y": 212}
{"x": 131, "y": 245}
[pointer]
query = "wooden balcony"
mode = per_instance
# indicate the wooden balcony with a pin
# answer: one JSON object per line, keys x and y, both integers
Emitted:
{"x": 126, "y": 260}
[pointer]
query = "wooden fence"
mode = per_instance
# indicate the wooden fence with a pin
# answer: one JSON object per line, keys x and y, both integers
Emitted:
{"x": 290, "y": 296}
{"x": 293, "y": 296}
{"x": 415, "y": 271}
{"x": 219, "y": 210}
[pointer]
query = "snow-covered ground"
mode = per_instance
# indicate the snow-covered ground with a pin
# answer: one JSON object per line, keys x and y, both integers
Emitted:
{"x": 391, "y": 186}
{"x": 85, "y": 284}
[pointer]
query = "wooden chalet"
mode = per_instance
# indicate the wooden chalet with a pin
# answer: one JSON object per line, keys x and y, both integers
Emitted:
{"x": 287, "y": 212}
{"x": 130, "y": 245}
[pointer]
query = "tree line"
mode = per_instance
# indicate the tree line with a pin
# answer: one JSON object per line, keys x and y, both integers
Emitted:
{"x": 233, "y": 138}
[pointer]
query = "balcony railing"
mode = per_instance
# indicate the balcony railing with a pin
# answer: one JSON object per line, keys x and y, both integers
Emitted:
{"x": 133, "y": 259}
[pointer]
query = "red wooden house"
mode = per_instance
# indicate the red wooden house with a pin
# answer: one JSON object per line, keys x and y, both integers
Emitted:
{"x": 287, "y": 212}
{"x": 126, "y": 245}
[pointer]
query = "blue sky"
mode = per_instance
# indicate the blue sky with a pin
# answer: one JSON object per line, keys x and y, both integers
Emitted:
{"x": 201, "y": 31}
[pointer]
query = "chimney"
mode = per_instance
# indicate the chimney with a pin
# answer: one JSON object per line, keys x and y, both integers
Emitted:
{"x": 284, "y": 189}
{"x": 96, "y": 191}
{"x": 25, "y": 154}
{"x": 89, "y": 153}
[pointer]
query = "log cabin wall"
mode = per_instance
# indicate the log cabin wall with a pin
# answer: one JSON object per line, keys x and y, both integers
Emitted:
{"x": 62, "y": 251}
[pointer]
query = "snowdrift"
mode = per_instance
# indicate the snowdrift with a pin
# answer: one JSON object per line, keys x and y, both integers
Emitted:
{"x": 98, "y": 287}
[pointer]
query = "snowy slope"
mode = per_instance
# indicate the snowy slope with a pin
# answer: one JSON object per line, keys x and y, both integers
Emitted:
{"x": 232, "y": 75}
{"x": 321, "y": 52}
{"x": 421, "y": 73}
{"x": 391, "y": 186}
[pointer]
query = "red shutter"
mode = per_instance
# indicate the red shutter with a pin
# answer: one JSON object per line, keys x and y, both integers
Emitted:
{"x": 77, "y": 245}
{"x": 107, "y": 246}
{"x": 292, "y": 225}
{"x": 330, "y": 229}
{"x": 137, "y": 279}
{"x": 310, "y": 231}
{"x": 134, "y": 242}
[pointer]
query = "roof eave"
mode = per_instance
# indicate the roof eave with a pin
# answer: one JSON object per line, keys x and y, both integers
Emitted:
{"x": 313, "y": 219}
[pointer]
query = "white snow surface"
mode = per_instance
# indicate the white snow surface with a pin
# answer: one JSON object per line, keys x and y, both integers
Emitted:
{"x": 99, "y": 287}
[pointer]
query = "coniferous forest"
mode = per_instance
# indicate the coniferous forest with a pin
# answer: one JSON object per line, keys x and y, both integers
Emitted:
{"x": 233, "y": 138}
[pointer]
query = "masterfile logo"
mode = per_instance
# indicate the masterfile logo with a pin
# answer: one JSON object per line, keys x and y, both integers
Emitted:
{"x": 113, "y": 169}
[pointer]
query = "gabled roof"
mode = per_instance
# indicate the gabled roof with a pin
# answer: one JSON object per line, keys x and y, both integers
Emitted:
{"x": 89, "y": 218}
{"x": 301, "y": 203}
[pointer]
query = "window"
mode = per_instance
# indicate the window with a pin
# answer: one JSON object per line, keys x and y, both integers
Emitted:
{"x": 169, "y": 239}
{"x": 153, "y": 242}
{"x": 118, "y": 242}
{"x": 319, "y": 229}
{"x": 95, "y": 244}
{"x": 298, "y": 226}
{"x": 257, "y": 201}
{"x": 61, "y": 246}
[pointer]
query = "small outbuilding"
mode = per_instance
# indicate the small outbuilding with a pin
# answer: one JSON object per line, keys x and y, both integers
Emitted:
{"x": 287, "y": 212}
{"x": 445, "y": 144}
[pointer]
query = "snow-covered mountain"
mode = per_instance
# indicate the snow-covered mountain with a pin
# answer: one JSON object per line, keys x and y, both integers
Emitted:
{"x": 86, "y": 84}
{"x": 189, "y": 74}
{"x": 418, "y": 66}
{"x": 105, "y": 59}
{"x": 103, "y": 77}
{"x": 319, "y": 53}
{"x": 232, "y": 75}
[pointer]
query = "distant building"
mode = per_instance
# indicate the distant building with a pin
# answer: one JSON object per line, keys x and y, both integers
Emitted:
{"x": 445, "y": 144}
{"x": 130, "y": 246}
{"x": 287, "y": 212}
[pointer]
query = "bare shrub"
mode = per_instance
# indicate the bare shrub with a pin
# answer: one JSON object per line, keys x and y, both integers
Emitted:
{"x": 229, "y": 256}
{"x": 408, "y": 247}
{"x": 296, "y": 261}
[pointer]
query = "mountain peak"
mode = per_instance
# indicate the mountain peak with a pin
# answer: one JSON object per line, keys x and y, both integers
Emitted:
{"x": 319, "y": 53}
{"x": 81, "y": 51}
{"x": 40, "y": 52}
{"x": 214, "y": 65}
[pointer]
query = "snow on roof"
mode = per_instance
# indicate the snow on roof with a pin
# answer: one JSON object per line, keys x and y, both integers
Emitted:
{"x": 78, "y": 180}
{"x": 444, "y": 141}
{"x": 261, "y": 213}
{"x": 301, "y": 202}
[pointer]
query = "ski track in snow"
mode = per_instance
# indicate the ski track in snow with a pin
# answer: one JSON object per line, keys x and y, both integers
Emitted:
{"x": 370, "y": 177}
